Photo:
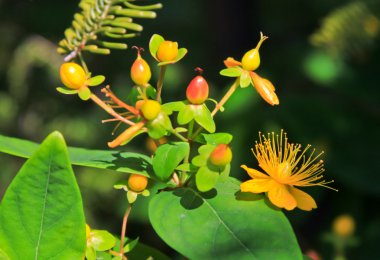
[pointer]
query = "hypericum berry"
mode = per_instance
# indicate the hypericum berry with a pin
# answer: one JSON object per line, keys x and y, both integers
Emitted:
{"x": 72, "y": 75}
{"x": 221, "y": 156}
{"x": 197, "y": 91}
{"x": 150, "y": 109}
{"x": 344, "y": 226}
{"x": 251, "y": 59}
{"x": 137, "y": 183}
{"x": 167, "y": 51}
{"x": 140, "y": 70}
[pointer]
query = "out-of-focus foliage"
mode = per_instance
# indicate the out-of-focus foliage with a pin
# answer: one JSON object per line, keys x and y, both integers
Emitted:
{"x": 348, "y": 30}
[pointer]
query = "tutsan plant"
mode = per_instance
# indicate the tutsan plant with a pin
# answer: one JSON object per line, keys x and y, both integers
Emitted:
{"x": 200, "y": 211}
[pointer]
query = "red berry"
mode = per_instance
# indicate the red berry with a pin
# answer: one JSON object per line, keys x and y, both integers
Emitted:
{"x": 197, "y": 91}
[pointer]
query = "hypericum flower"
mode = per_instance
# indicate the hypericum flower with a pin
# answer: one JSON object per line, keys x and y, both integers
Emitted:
{"x": 244, "y": 70}
{"x": 286, "y": 167}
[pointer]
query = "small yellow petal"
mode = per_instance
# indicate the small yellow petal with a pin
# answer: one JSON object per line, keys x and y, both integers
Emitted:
{"x": 254, "y": 173}
{"x": 304, "y": 200}
{"x": 257, "y": 185}
{"x": 281, "y": 197}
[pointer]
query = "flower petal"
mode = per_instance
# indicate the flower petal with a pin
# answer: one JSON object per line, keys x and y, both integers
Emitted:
{"x": 280, "y": 196}
{"x": 231, "y": 62}
{"x": 254, "y": 174}
{"x": 257, "y": 185}
{"x": 304, "y": 200}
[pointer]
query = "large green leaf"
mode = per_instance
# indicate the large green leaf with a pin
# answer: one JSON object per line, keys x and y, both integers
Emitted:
{"x": 114, "y": 160}
{"x": 220, "y": 224}
{"x": 41, "y": 213}
{"x": 167, "y": 157}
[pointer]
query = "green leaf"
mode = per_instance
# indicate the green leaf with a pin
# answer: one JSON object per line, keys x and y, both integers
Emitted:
{"x": 136, "y": 13}
{"x": 181, "y": 53}
{"x": 126, "y": 162}
{"x": 67, "y": 91}
{"x": 95, "y": 81}
{"x": 42, "y": 213}
{"x": 185, "y": 115}
{"x": 142, "y": 251}
{"x": 245, "y": 79}
{"x": 203, "y": 117}
{"x": 167, "y": 157}
{"x": 235, "y": 228}
{"x": 154, "y": 43}
{"x": 101, "y": 240}
{"x": 186, "y": 167}
{"x": 173, "y": 106}
{"x": 84, "y": 93}
{"x": 130, "y": 245}
{"x": 231, "y": 72}
{"x": 90, "y": 253}
{"x": 218, "y": 138}
{"x": 3, "y": 255}
{"x": 206, "y": 179}
{"x": 159, "y": 126}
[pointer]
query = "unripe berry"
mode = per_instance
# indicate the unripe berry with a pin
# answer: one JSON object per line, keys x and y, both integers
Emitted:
{"x": 197, "y": 91}
{"x": 137, "y": 182}
{"x": 72, "y": 75}
{"x": 167, "y": 51}
{"x": 140, "y": 70}
{"x": 150, "y": 109}
{"x": 221, "y": 156}
{"x": 251, "y": 59}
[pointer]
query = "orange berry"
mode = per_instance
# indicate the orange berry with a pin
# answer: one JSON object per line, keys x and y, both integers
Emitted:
{"x": 150, "y": 109}
{"x": 140, "y": 71}
{"x": 344, "y": 226}
{"x": 72, "y": 75}
{"x": 167, "y": 51}
{"x": 137, "y": 182}
{"x": 221, "y": 156}
{"x": 197, "y": 91}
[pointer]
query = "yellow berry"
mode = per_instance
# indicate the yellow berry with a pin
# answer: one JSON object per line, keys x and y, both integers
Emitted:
{"x": 167, "y": 51}
{"x": 137, "y": 182}
{"x": 221, "y": 155}
{"x": 72, "y": 75}
{"x": 140, "y": 71}
{"x": 150, "y": 109}
{"x": 344, "y": 226}
{"x": 251, "y": 59}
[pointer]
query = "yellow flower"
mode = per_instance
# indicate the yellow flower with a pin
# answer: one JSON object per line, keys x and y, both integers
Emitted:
{"x": 286, "y": 166}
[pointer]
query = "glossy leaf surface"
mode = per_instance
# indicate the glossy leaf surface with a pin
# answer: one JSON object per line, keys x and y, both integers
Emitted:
{"x": 222, "y": 224}
{"x": 41, "y": 214}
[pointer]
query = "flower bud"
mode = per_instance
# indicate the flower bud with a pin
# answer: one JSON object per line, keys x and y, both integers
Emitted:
{"x": 140, "y": 70}
{"x": 126, "y": 135}
{"x": 72, "y": 75}
{"x": 137, "y": 182}
{"x": 344, "y": 226}
{"x": 150, "y": 109}
{"x": 167, "y": 51}
{"x": 265, "y": 89}
{"x": 221, "y": 156}
{"x": 251, "y": 59}
{"x": 197, "y": 91}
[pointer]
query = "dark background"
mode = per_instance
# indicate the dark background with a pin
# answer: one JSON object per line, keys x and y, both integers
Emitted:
{"x": 326, "y": 75}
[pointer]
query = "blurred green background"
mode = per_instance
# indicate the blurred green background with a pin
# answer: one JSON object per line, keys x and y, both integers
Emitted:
{"x": 322, "y": 56}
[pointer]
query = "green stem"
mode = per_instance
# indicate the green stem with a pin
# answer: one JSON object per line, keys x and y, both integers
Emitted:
{"x": 160, "y": 82}
{"x": 179, "y": 136}
{"x": 83, "y": 63}
{"x": 184, "y": 175}
{"x": 190, "y": 130}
